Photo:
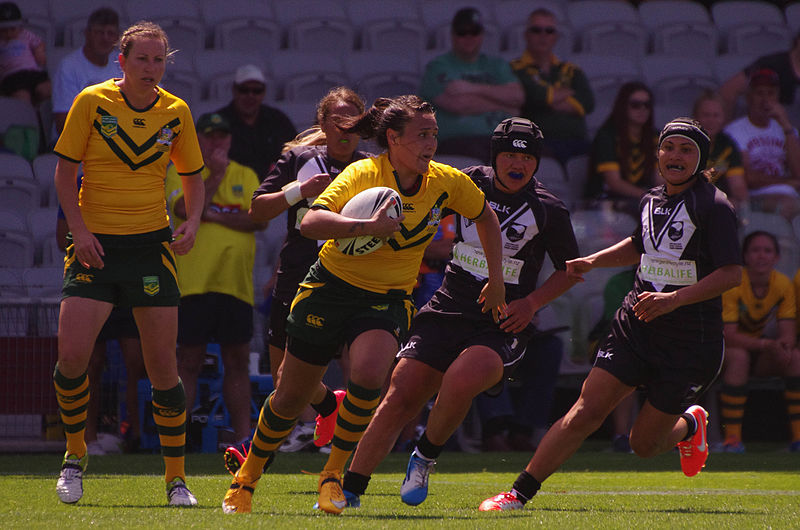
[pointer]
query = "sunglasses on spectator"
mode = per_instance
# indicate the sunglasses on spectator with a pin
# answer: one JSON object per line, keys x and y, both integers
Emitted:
{"x": 256, "y": 91}
{"x": 538, "y": 30}
{"x": 638, "y": 105}
{"x": 472, "y": 32}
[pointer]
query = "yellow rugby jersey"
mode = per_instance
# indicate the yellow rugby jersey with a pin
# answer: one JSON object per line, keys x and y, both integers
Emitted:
{"x": 125, "y": 153}
{"x": 221, "y": 260}
{"x": 739, "y": 305}
{"x": 395, "y": 265}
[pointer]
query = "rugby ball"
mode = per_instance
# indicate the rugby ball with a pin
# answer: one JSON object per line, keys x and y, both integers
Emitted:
{"x": 363, "y": 206}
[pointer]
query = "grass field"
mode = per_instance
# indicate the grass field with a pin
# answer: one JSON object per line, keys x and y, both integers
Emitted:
{"x": 595, "y": 489}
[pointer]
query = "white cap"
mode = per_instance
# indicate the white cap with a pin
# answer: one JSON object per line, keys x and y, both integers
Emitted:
{"x": 249, "y": 72}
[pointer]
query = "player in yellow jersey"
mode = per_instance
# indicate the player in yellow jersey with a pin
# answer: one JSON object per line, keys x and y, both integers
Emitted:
{"x": 365, "y": 301}
{"x": 760, "y": 338}
{"x": 125, "y": 132}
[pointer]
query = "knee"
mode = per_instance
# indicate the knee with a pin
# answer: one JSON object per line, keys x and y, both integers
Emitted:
{"x": 644, "y": 446}
{"x": 583, "y": 418}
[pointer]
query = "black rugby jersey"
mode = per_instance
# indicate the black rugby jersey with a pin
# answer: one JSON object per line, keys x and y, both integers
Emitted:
{"x": 532, "y": 222}
{"x": 298, "y": 252}
{"x": 683, "y": 238}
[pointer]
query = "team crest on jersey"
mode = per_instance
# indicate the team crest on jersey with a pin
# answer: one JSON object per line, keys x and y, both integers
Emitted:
{"x": 435, "y": 216}
{"x": 108, "y": 126}
{"x": 238, "y": 190}
{"x": 164, "y": 139}
{"x": 150, "y": 285}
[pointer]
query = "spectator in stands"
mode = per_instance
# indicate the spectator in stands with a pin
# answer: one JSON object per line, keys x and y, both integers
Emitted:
{"x": 760, "y": 337}
{"x": 770, "y": 147}
{"x": 786, "y": 64}
{"x": 216, "y": 276}
{"x": 557, "y": 93}
{"x": 471, "y": 90}
{"x": 622, "y": 165}
{"x": 258, "y": 132}
{"x": 95, "y": 62}
{"x": 724, "y": 158}
{"x": 22, "y": 59}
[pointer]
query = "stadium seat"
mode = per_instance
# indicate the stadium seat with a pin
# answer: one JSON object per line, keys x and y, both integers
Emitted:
{"x": 15, "y": 166}
{"x": 597, "y": 229}
{"x": 393, "y": 35}
{"x": 16, "y": 249}
{"x": 71, "y": 17}
{"x": 42, "y": 227}
{"x": 680, "y": 28}
{"x": 216, "y": 69}
{"x": 366, "y": 12}
{"x": 608, "y": 27}
{"x": 19, "y": 195}
{"x": 289, "y": 11}
{"x": 289, "y": 63}
{"x": 677, "y": 80}
{"x": 302, "y": 113}
{"x": 512, "y": 12}
{"x": 360, "y": 64}
{"x": 214, "y": 12}
{"x": 44, "y": 167}
{"x": 183, "y": 85}
{"x": 312, "y": 86}
{"x": 43, "y": 282}
{"x": 730, "y": 64}
{"x": 16, "y": 112}
{"x": 248, "y": 34}
{"x": 181, "y": 20}
{"x": 11, "y": 283}
{"x": 321, "y": 34}
{"x": 665, "y": 112}
{"x": 11, "y": 221}
{"x": 577, "y": 171}
{"x": 751, "y": 26}
{"x": 387, "y": 85}
{"x": 606, "y": 75}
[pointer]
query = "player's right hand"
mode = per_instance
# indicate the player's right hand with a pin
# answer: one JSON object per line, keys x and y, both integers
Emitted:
{"x": 88, "y": 250}
{"x": 315, "y": 185}
{"x": 577, "y": 267}
{"x": 381, "y": 225}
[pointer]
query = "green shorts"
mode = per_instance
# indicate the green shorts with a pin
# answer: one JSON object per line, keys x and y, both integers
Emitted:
{"x": 327, "y": 312}
{"x": 139, "y": 270}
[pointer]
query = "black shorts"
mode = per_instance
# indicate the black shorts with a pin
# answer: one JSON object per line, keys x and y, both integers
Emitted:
{"x": 673, "y": 372}
{"x": 139, "y": 271}
{"x": 120, "y": 325}
{"x": 278, "y": 313}
{"x": 214, "y": 317}
{"x": 438, "y": 340}
{"x": 328, "y": 312}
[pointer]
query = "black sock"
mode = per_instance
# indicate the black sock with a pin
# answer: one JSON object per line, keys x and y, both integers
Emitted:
{"x": 427, "y": 449}
{"x": 327, "y": 405}
{"x": 525, "y": 487}
{"x": 355, "y": 482}
{"x": 691, "y": 425}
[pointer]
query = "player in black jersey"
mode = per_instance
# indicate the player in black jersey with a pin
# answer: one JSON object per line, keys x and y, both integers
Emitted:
{"x": 667, "y": 336}
{"x": 304, "y": 170}
{"x": 455, "y": 349}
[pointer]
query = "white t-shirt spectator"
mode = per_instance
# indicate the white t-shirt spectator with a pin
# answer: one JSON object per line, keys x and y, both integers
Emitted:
{"x": 75, "y": 73}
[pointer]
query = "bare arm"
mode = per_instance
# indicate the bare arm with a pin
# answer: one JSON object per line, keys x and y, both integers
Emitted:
{"x": 464, "y": 97}
{"x": 731, "y": 90}
{"x": 323, "y": 224}
{"x": 193, "y": 193}
{"x": 270, "y": 205}
{"x": 59, "y": 119}
{"x": 652, "y": 305}
{"x": 88, "y": 250}
{"x": 493, "y": 294}
{"x": 618, "y": 255}
{"x": 40, "y": 55}
{"x": 240, "y": 221}
{"x": 521, "y": 312}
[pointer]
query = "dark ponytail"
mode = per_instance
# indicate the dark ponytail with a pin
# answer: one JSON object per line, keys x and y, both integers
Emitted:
{"x": 385, "y": 114}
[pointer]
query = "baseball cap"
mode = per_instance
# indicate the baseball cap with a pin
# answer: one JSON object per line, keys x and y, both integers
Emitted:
{"x": 764, "y": 76}
{"x": 467, "y": 20}
{"x": 210, "y": 122}
{"x": 249, "y": 72}
{"x": 10, "y": 15}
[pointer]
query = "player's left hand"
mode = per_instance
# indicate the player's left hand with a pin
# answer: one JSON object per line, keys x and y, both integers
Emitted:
{"x": 520, "y": 312}
{"x": 493, "y": 298}
{"x": 652, "y": 305}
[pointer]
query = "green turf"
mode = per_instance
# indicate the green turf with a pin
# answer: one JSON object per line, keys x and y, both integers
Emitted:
{"x": 595, "y": 489}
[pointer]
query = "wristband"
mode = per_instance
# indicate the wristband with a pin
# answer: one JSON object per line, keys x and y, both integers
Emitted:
{"x": 292, "y": 193}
